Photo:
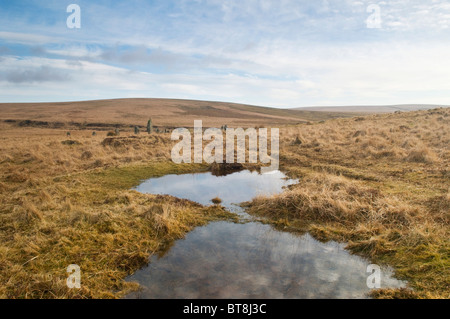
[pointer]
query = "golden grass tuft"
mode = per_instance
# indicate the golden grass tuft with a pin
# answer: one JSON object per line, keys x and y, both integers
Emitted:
{"x": 421, "y": 155}
{"x": 31, "y": 212}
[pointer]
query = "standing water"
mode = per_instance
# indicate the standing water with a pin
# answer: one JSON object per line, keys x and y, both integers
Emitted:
{"x": 247, "y": 260}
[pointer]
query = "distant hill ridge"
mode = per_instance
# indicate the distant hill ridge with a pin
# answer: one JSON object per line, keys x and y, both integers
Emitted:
{"x": 181, "y": 113}
{"x": 373, "y": 108}
{"x": 165, "y": 112}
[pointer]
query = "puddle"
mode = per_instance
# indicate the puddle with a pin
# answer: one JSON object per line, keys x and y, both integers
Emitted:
{"x": 231, "y": 189}
{"x": 226, "y": 260}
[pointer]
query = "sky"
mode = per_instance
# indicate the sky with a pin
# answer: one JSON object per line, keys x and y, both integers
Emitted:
{"x": 280, "y": 53}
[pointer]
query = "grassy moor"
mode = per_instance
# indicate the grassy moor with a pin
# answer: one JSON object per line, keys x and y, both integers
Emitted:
{"x": 379, "y": 183}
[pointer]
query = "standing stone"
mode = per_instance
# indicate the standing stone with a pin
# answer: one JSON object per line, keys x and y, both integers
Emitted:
{"x": 149, "y": 127}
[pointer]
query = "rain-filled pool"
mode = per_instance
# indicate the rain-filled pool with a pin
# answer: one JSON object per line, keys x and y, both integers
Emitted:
{"x": 229, "y": 260}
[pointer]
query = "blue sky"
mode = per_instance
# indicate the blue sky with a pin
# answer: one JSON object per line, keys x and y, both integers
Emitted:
{"x": 285, "y": 53}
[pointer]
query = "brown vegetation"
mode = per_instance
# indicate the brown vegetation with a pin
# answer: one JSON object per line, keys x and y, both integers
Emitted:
{"x": 380, "y": 183}
{"x": 123, "y": 113}
{"x": 68, "y": 202}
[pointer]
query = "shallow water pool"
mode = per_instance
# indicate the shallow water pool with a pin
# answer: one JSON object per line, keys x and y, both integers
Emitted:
{"x": 249, "y": 260}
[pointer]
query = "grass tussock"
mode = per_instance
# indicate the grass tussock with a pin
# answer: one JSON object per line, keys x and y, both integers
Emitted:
{"x": 216, "y": 201}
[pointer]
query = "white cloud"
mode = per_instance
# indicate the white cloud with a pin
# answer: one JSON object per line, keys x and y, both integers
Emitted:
{"x": 275, "y": 53}
{"x": 25, "y": 38}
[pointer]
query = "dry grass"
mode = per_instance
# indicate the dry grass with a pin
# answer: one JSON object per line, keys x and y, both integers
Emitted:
{"x": 216, "y": 201}
{"x": 379, "y": 183}
{"x": 63, "y": 204}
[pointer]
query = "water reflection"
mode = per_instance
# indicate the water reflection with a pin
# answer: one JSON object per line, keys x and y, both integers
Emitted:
{"x": 252, "y": 260}
{"x": 232, "y": 189}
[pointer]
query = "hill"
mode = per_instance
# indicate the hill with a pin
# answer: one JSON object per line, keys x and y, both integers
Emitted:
{"x": 164, "y": 112}
{"x": 372, "y": 108}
